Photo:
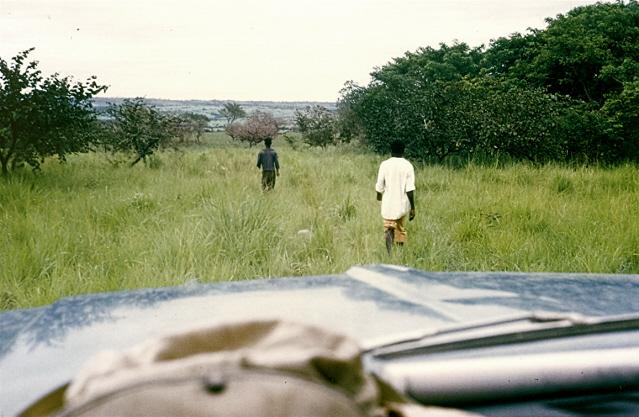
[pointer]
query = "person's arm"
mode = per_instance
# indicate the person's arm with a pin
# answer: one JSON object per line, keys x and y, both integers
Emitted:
{"x": 259, "y": 160}
{"x": 277, "y": 164}
{"x": 410, "y": 185}
{"x": 411, "y": 199}
{"x": 380, "y": 184}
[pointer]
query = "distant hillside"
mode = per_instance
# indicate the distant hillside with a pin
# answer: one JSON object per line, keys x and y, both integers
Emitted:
{"x": 284, "y": 110}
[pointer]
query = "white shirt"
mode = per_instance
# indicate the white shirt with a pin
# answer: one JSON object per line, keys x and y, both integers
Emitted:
{"x": 395, "y": 178}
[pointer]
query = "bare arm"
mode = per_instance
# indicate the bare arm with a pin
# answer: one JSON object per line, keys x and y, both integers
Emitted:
{"x": 411, "y": 199}
{"x": 380, "y": 183}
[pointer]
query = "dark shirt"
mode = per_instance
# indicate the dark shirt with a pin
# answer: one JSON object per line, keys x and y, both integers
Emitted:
{"x": 267, "y": 160}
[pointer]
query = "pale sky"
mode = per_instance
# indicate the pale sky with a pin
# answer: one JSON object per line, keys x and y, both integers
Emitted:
{"x": 281, "y": 50}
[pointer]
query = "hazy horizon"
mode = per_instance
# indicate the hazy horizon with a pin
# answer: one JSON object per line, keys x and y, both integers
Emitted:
{"x": 108, "y": 97}
{"x": 248, "y": 50}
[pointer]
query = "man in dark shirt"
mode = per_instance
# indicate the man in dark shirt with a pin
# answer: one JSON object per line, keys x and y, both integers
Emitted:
{"x": 267, "y": 160}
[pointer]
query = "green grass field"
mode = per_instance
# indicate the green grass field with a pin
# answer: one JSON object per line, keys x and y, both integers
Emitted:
{"x": 89, "y": 226}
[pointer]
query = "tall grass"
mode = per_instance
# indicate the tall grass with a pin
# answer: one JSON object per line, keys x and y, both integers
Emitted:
{"x": 89, "y": 226}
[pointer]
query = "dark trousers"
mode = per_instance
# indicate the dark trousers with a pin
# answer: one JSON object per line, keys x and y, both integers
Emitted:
{"x": 268, "y": 180}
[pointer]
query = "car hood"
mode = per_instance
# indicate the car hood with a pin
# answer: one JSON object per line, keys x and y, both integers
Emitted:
{"x": 42, "y": 348}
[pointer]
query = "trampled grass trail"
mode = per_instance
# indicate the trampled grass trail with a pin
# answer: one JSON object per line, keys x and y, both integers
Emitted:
{"x": 89, "y": 226}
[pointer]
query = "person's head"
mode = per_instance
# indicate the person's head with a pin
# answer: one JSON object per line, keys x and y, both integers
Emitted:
{"x": 268, "y": 142}
{"x": 397, "y": 147}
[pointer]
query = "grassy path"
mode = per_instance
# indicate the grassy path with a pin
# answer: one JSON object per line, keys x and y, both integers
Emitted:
{"x": 88, "y": 226}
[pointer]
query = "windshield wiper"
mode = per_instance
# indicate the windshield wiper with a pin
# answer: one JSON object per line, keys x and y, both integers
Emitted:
{"x": 518, "y": 329}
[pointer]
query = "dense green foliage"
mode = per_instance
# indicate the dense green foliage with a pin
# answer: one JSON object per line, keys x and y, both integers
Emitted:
{"x": 322, "y": 127}
{"x": 189, "y": 126}
{"x": 41, "y": 117}
{"x": 317, "y": 125}
{"x": 568, "y": 92}
{"x": 199, "y": 214}
{"x": 137, "y": 128}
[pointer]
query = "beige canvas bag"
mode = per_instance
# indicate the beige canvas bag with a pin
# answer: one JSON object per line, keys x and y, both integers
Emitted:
{"x": 263, "y": 369}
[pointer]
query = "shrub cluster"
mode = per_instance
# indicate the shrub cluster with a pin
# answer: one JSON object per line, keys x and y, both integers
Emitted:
{"x": 569, "y": 92}
{"x": 137, "y": 128}
{"x": 256, "y": 128}
{"x": 42, "y": 117}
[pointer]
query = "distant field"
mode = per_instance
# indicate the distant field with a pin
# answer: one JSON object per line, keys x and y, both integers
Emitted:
{"x": 283, "y": 110}
{"x": 88, "y": 226}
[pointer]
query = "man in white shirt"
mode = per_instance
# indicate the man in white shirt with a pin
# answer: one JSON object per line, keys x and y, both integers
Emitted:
{"x": 395, "y": 189}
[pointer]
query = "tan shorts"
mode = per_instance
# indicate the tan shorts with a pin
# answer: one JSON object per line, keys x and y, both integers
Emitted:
{"x": 398, "y": 227}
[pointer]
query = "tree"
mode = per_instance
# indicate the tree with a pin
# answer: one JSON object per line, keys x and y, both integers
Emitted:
{"x": 198, "y": 124}
{"x": 447, "y": 63}
{"x": 566, "y": 92}
{"x": 590, "y": 54}
{"x": 41, "y": 117}
{"x": 257, "y": 127}
{"x": 139, "y": 128}
{"x": 317, "y": 125}
{"x": 347, "y": 124}
{"x": 583, "y": 48}
{"x": 511, "y": 57}
{"x": 188, "y": 126}
{"x": 622, "y": 112}
{"x": 231, "y": 112}
{"x": 587, "y": 54}
{"x": 479, "y": 116}
{"x": 521, "y": 122}
{"x": 417, "y": 98}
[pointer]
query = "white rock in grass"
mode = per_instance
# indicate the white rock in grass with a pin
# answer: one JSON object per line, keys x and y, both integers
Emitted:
{"x": 305, "y": 233}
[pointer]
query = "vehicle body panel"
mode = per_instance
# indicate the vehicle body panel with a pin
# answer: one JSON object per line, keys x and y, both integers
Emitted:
{"x": 42, "y": 348}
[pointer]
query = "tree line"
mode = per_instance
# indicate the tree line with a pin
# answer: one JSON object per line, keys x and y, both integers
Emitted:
{"x": 569, "y": 92}
{"x": 54, "y": 116}
{"x": 49, "y": 116}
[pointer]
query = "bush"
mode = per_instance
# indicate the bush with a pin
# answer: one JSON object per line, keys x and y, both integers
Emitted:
{"x": 257, "y": 127}
{"x": 137, "y": 128}
{"x": 317, "y": 125}
{"x": 41, "y": 117}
